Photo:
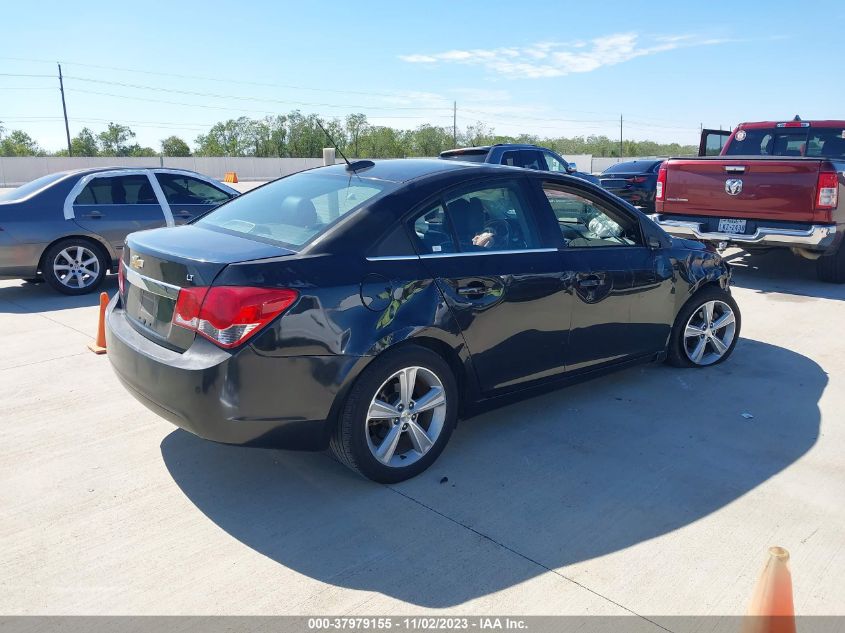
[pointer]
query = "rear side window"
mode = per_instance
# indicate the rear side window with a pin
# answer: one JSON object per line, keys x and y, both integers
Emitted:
{"x": 485, "y": 219}
{"x": 134, "y": 189}
{"x": 31, "y": 187}
{"x": 294, "y": 210}
{"x": 179, "y": 189}
{"x": 433, "y": 231}
{"x": 469, "y": 157}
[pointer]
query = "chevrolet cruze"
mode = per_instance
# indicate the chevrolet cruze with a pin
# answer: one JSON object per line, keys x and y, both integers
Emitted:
{"x": 367, "y": 307}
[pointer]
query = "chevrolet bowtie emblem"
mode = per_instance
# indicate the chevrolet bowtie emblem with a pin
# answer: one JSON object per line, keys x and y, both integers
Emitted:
{"x": 136, "y": 262}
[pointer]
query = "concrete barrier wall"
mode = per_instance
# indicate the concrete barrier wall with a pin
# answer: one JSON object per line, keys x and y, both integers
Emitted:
{"x": 15, "y": 171}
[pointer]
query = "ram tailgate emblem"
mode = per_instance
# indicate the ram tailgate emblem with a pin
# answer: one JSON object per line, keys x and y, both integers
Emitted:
{"x": 733, "y": 186}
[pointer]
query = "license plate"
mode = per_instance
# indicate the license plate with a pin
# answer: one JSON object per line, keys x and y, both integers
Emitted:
{"x": 731, "y": 226}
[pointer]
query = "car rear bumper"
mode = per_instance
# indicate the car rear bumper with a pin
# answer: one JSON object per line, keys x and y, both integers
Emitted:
{"x": 817, "y": 237}
{"x": 233, "y": 398}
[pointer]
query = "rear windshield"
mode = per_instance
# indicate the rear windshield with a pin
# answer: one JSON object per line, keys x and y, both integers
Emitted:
{"x": 469, "y": 157}
{"x": 633, "y": 167}
{"x": 296, "y": 209}
{"x": 31, "y": 187}
{"x": 807, "y": 141}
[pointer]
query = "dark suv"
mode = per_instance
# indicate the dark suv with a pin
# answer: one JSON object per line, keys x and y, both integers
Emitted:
{"x": 517, "y": 155}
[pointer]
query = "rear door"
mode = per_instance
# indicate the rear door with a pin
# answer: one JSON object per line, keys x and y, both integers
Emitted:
{"x": 500, "y": 275}
{"x": 189, "y": 197}
{"x": 112, "y": 206}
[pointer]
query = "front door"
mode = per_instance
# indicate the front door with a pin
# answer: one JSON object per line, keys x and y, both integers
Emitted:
{"x": 614, "y": 280}
{"x": 114, "y": 206}
{"x": 501, "y": 279}
{"x": 189, "y": 197}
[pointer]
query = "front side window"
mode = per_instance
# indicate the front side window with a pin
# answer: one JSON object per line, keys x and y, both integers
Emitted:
{"x": 133, "y": 189}
{"x": 585, "y": 223}
{"x": 294, "y": 210}
{"x": 482, "y": 220}
{"x": 179, "y": 189}
{"x": 554, "y": 164}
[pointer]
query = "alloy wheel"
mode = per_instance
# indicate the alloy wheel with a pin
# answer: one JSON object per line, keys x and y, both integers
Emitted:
{"x": 709, "y": 332}
{"x": 406, "y": 416}
{"x": 76, "y": 267}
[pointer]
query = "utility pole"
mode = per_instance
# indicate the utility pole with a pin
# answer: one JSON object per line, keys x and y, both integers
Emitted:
{"x": 455, "y": 123}
{"x": 64, "y": 109}
{"x": 621, "y": 148}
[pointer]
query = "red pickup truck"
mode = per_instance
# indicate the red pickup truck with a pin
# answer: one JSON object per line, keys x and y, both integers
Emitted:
{"x": 765, "y": 185}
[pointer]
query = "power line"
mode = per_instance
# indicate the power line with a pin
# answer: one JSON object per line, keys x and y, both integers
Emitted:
{"x": 224, "y": 79}
{"x": 246, "y": 98}
{"x": 228, "y": 109}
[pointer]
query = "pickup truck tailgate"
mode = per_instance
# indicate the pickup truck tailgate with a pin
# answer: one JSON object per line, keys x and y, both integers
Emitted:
{"x": 770, "y": 189}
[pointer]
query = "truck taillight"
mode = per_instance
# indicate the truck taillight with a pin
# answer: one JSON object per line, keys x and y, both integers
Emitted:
{"x": 660, "y": 191}
{"x": 229, "y": 315}
{"x": 827, "y": 190}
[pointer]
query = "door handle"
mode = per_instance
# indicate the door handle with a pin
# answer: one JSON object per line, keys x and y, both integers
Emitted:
{"x": 94, "y": 215}
{"x": 472, "y": 290}
{"x": 589, "y": 282}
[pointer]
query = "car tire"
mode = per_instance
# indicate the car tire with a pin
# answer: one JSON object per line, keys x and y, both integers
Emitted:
{"x": 84, "y": 262}
{"x": 697, "y": 342}
{"x": 365, "y": 428}
{"x": 831, "y": 268}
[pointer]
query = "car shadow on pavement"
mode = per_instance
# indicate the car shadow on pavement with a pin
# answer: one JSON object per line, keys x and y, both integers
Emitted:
{"x": 25, "y": 298}
{"x": 779, "y": 271}
{"x": 541, "y": 484}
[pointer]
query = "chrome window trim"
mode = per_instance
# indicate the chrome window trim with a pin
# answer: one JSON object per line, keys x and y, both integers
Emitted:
{"x": 383, "y": 258}
{"x": 154, "y": 286}
{"x": 112, "y": 173}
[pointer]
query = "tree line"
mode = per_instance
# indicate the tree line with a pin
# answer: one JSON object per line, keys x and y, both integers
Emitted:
{"x": 298, "y": 135}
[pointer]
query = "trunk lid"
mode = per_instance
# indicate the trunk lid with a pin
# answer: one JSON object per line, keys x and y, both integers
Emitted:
{"x": 158, "y": 263}
{"x": 771, "y": 189}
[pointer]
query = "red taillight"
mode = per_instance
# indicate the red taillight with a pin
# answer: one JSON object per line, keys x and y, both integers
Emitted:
{"x": 121, "y": 277}
{"x": 660, "y": 191}
{"x": 827, "y": 190}
{"x": 229, "y": 315}
{"x": 637, "y": 179}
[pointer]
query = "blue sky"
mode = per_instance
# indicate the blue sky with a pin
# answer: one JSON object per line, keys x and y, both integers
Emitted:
{"x": 551, "y": 68}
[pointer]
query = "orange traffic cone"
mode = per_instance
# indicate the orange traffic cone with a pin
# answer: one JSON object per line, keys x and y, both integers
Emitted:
{"x": 99, "y": 346}
{"x": 771, "y": 609}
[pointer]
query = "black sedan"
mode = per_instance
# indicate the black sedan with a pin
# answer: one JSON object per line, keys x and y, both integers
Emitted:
{"x": 634, "y": 181}
{"x": 368, "y": 307}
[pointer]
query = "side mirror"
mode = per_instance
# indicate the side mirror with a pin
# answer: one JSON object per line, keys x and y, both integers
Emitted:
{"x": 654, "y": 242}
{"x": 572, "y": 166}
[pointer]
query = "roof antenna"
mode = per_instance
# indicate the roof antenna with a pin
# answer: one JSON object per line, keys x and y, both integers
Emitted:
{"x": 331, "y": 140}
{"x": 353, "y": 167}
{"x": 797, "y": 118}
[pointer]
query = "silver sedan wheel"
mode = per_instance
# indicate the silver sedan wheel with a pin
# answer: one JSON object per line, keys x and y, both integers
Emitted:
{"x": 406, "y": 416}
{"x": 709, "y": 332}
{"x": 76, "y": 267}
